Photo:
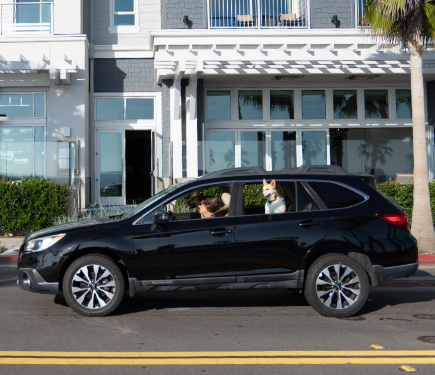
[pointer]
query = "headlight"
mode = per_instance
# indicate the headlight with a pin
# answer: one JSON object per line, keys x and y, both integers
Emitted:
{"x": 43, "y": 242}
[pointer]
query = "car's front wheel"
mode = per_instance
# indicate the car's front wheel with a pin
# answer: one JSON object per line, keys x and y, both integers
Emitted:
{"x": 93, "y": 285}
{"x": 337, "y": 286}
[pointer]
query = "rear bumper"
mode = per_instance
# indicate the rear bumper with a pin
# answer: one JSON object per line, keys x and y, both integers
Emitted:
{"x": 390, "y": 273}
{"x": 31, "y": 281}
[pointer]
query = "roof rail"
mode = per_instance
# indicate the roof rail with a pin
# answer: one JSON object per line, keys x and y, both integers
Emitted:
{"x": 235, "y": 171}
{"x": 319, "y": 169}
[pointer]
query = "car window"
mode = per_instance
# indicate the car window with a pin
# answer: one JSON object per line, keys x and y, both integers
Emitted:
{"x": 185, "y": 207}
{"x": 334, "y": 195}
{"x": 260, "y": 198}
{"x": 305, "y": 201}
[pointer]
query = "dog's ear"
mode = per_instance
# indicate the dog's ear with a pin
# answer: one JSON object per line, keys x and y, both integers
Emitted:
{"x": 264, "y": 182}
{"x": 273, "y": 184}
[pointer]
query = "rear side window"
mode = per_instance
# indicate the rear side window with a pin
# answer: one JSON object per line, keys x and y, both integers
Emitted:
{"x": 335, "y": 196}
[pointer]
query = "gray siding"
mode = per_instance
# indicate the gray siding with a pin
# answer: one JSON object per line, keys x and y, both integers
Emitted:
{"x": 323, "y": 10}
{"x": 166, "y": 125}
{"x": 173, "y": 12}
{"x": 125, "y": 75}
{"x": 87, "y": 18}
{"x": 430, "y": 95}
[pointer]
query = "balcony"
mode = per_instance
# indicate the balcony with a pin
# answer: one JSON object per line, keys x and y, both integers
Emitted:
{"x": 22, "y": 18}
{"x": 270, "y": 14}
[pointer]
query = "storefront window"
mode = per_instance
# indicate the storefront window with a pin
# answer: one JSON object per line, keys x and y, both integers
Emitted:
{"x": 313, "y": 104}
{"x": 125, "y": 109}
{"x": 345, "y": 104}
{"x": 376, "y": 104}
{"x": 282, "y": 105}
{"x": 314, "y": 150}
{"x": 139, "y": 109}
{"x": 283, "y": 150}
{"x": 251, "y": 105}
{"x": 403, "y": 104}
{"x": 253, "y": 149}
{"x": 218, "y": 105}
{"x": 222, "y": 151}
{"x": 22, "y": 105}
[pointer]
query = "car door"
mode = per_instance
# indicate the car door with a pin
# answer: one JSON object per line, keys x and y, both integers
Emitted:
{"x": 268, "y": 244}
{"x": 198, "y": 248}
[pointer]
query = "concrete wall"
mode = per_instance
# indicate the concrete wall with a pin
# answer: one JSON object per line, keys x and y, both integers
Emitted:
{"x": 125, "y": 75}
{"x": 323, "y": 10}
{"x": 68, "y": 17}
{"x": 87, "y": 18}
{"x": 173, "y": 12}
{"x": 149, "y": 19}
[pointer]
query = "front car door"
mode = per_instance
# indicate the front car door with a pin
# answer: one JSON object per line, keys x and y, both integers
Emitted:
{"x": 190, "y": 250}
{"x": 276, "y": 243}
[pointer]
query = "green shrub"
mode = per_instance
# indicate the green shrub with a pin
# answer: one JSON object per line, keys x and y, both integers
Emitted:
{"x": 403, "y": 195}
{"x": 32, "y": 203}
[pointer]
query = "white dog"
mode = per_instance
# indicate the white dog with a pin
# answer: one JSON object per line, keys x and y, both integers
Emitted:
{"x": 275, "y": 203}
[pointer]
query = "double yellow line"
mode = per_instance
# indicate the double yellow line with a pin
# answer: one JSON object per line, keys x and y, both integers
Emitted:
{"x": 218, "y": 358}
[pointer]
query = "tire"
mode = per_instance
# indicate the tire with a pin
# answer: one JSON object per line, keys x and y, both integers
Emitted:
{"x": 93, "y": 285}
{"x": 334, "y": 297}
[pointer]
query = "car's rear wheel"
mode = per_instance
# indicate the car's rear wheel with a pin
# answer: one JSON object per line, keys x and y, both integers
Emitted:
{"x": 337, "y": 286}
{"x": 93, "y": 285}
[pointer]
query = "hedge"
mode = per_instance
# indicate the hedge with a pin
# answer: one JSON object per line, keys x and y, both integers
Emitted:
{"x": 32, "y": 203}
{"x": 403, "y": 195}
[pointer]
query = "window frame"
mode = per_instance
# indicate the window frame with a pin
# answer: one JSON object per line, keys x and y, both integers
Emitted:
{"x": 33, "y": 93}
{"x": 124, "y": 29}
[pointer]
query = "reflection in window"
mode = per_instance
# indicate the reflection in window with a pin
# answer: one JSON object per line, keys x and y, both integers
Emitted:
{"x": 222, "y": 150}
{"x": 376, "y": 104}
{"x": 345, "y": 104}
{"x": 123, "y": 13}
{"x": 314, "y": 148}
{"x": 282, "y": 105}
{"x": 403, "y": 104}
{"x": 22, "y": 105}
{"x": 33, "y": 13}
{"x": 313, "y": 104}
{"x": 125, "y": 109}
{"x": 283, "y": 150}
{"x": 111, "y": 164}
{"x": 218, "y": 105}
{"x": 251, "y": 105}
{"x": 253, "y": 149}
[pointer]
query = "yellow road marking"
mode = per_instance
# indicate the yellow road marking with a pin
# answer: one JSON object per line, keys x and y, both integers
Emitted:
{"x": 377, "y": 347}
{"x": 296, "y": 353}
{"x": 213, "y": 361}
{"x": 408, "y": 368}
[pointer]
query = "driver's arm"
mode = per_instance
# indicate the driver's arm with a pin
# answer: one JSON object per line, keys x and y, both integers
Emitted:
{"x": 174, "y": 215}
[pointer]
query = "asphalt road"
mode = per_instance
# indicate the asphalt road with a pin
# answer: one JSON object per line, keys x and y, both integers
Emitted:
{"x": 253, "y": 322}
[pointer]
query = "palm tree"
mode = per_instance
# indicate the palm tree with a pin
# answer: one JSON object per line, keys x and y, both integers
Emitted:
{"x": 411, "y": 25}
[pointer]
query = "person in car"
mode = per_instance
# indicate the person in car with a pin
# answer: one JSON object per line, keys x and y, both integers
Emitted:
{"x": 207, "y": 207}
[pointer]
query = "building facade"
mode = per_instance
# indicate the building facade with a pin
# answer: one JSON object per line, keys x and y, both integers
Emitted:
{"x": 137, "y": 94}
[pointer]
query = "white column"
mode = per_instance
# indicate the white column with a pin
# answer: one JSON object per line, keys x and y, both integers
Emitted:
{"x": 192, "y": 128}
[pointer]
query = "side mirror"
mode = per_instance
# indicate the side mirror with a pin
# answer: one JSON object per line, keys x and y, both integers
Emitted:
{"x": 162, "y": 217}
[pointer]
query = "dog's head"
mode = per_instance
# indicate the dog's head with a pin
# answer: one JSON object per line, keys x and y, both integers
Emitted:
{"x": 194, "y": 201}
{"x": 269, "y": 190}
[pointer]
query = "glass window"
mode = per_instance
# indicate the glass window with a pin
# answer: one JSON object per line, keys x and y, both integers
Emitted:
{"x": 403, "y": 104}
{"x": 139, "y": 109}
{"x": 22, "y": 105}
{"x": 135, "y": 109}
{"x": 218, "y": 105}
{"x": 251, "y": 105}
{"x": 283, "y": 150}
{"x": 123, "y": 13}
{"x": 376, "y": 104}
{"x": 282, "y": 105}
{"x": 314, "y": 148}
{"x": 222, "y": 150}
{"x": 33, "y": 13}
{"x": 39, "y": 150}
{"x": 345, "y": 104}
{"x": 305, "y": 201}
{"x": 313, "y": 104}
{"x": 253, "y": 149}
{"x": 336, "y": 196}
{"x": 111, "y": 164}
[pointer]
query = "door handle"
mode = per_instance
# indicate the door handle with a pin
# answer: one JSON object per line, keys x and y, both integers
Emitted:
{"x": 308, "y": 223}
{"x": 220, "y": 232}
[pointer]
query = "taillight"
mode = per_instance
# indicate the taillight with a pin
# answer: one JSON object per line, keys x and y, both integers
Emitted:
{"x": 398, "y": 219}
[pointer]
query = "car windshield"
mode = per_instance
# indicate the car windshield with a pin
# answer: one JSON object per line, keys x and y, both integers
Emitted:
{"x": 154, "y": 198}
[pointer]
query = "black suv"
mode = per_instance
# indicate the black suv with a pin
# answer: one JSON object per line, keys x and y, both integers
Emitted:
{"x": 316, "y": 229}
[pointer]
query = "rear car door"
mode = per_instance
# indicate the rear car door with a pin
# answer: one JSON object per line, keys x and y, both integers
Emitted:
{"x": 276, "y": 243}
{"x": 190, "y": 248}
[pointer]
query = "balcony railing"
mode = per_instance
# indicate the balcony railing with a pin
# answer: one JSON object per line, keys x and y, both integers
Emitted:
{"x": 26, "y": 18}
{"x": 255, "y": 14}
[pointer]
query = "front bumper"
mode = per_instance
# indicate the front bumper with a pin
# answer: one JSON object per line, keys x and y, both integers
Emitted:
{"x": 390, "y": 273}
{"x": 31, "y": 281}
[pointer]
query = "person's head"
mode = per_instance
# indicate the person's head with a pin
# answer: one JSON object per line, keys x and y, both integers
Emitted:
{"x": 209, "y": 204}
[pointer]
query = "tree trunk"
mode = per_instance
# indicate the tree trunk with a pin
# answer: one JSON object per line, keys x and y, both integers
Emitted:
{"x": 422, "y": 222}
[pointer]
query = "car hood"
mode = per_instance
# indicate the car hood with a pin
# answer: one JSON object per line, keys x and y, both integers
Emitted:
{"x": 67, "y": 227}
